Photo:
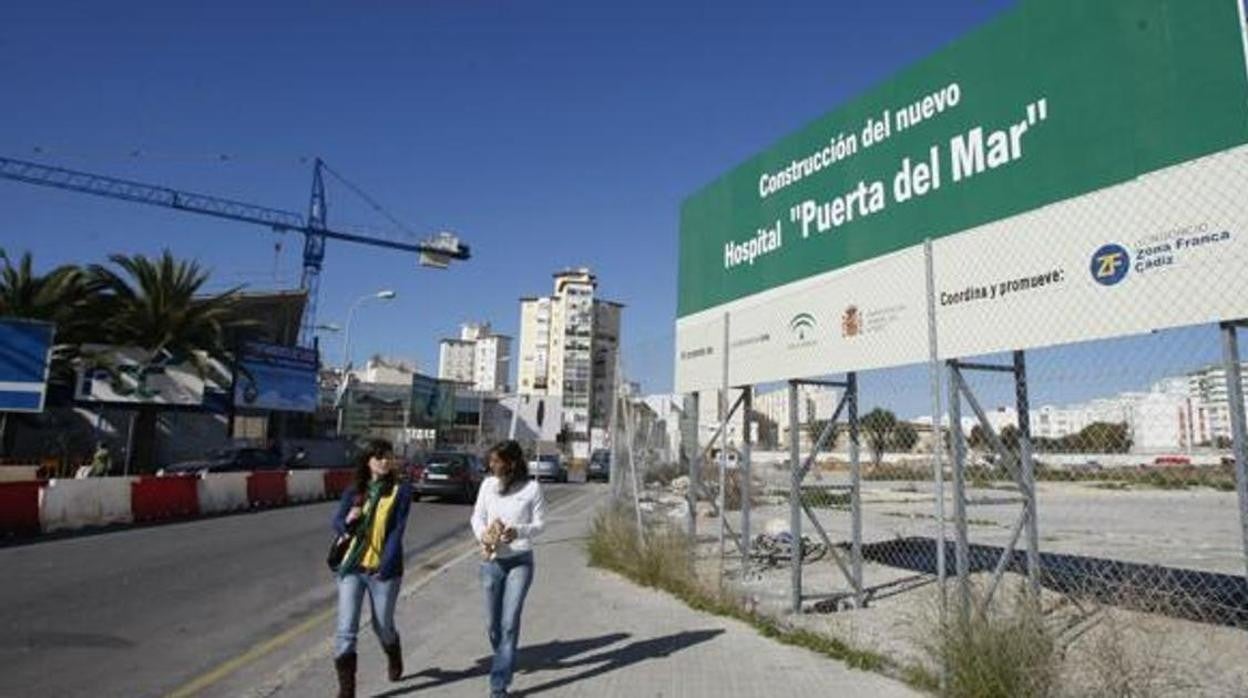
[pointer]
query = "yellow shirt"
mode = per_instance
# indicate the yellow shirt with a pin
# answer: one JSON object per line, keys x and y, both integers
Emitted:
{"x": 376, "y": 540}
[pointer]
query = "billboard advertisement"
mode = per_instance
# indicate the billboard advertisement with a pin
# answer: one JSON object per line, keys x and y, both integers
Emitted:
{"x": 1024, "y": 149}
{"x": 433, "y": 403}
{"x": 25, "y": 355}
{"x": 115, "y": 374}
{"x": 273, "y": 377}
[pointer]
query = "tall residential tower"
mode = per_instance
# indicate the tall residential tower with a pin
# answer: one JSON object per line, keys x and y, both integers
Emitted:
{"x": 569, "y": 347}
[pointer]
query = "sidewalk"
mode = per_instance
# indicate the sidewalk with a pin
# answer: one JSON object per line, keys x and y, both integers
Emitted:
{"x": 586, "y": 633}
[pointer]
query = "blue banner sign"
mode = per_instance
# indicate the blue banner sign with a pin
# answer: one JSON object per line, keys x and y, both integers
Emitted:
{"x": 273, "y": 377}
{"x": 25, "y": 354}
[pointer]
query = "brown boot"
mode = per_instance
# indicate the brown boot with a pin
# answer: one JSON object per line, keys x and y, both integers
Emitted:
{"x": 345, "y": 666}
{"x": 394, "y": 657}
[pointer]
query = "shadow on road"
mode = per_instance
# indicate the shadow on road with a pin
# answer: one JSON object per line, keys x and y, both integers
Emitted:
{"x": 560, "y": 655}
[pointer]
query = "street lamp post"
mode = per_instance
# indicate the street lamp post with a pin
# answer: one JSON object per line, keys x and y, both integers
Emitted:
{"x": 384, "y": 295}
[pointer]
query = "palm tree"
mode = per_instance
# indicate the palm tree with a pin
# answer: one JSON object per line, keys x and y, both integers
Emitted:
{"x": 58, "y": 296}
{"x": 155, "y": 305}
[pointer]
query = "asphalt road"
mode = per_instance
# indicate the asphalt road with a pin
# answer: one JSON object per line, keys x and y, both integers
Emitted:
{"x": 140, "y": 612}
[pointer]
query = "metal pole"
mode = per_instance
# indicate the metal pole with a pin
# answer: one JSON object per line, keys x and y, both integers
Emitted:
{"x": 632, "y": 463}
{"x": 1028, "y": 473}
{"x": 693, "y": 452}
{"x": 346, "y": 335}
{"x": 515, "y": 416}
{"x": 134, "y": 416}
{"x": 723, "y": 453}
{"x": 1239, "y": 432}
{"x": 938, "y": 468}
{"x": 747, "y": 481}
{"x": 855, "y": 493}
{"x": 613, "y": 470}
{"x": 961, "y": 545}
{"x": 795, "y": 504}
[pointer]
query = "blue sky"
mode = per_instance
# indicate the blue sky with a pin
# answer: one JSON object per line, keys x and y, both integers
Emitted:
{"x": 548, "y": 134}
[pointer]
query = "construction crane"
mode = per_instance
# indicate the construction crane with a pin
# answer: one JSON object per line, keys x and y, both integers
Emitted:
{"x": 436, "y": 251}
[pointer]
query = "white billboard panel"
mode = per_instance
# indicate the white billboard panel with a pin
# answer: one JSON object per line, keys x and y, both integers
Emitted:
{"x": 868, "y": 316}
{"x": 136, "y": 375}
{"x": 1165, "y": 250}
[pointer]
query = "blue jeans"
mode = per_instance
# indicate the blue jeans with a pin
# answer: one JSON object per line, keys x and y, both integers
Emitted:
{"x": 382, "y": 595}
{"x": 506, "y": 582}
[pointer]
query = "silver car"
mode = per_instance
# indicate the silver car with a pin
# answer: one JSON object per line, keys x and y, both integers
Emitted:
{"x": 548, "y": 466}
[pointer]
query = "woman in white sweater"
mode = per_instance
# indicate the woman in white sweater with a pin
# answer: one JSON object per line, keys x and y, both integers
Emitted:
{"x": 509, "y": 512}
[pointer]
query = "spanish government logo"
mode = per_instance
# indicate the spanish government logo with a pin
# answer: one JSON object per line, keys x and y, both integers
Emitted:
{"x": 851, "y": 322}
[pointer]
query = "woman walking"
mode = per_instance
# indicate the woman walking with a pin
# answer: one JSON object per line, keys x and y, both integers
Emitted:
{"x": 509, "y": 512}
{"x": 373, "y": 514}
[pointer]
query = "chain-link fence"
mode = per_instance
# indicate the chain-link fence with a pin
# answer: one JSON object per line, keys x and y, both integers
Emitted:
{"x": 1084, "y": 498}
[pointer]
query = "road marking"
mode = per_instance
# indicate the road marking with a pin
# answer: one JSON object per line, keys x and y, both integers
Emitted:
{"x": 458, "y": 550}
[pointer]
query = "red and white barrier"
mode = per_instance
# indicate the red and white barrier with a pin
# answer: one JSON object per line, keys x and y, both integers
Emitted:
{"x": 223, "y": 492}
{"x": 305, "y": 485}
{"x": 337, "y": 481}
{"x": 19, "y": 507}
{"x": 161, "y": 498}
{"x": 267, "y": 488}
{"x": 34, "y": 506}
{"x": 70, "y": 504}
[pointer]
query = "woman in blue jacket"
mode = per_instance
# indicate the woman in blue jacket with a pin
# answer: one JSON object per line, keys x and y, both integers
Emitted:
{"x": 373, "y": 513}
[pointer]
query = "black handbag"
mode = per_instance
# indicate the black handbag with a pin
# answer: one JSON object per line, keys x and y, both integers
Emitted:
{"x": 338, "y": 550}
{"x": 341, "y": 543}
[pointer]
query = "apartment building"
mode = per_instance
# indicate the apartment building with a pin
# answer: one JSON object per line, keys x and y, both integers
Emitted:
{"x": 569, "y": 347}
{"x": 478, "y": 358}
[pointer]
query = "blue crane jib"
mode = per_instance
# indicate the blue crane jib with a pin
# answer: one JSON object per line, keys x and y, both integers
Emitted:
{"x": 314, "y": 227}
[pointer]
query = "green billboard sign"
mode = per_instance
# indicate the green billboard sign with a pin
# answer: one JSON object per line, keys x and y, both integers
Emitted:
{"x": 1051, "y": 100}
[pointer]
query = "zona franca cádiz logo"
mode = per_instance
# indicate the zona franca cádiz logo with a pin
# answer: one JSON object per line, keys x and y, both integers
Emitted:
{"x": 803, "y": 327}
{"x": 1110, "y": 264}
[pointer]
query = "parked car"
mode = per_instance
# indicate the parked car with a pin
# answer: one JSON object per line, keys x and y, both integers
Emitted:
{"x": 548, "y": 466}
{"x": 1172, "y": 460}
{"x": 448, "y": 474}
{"x": 228, "y": 460}
{"x": 1091, "y": 465}
{"x": 599, "y": 466}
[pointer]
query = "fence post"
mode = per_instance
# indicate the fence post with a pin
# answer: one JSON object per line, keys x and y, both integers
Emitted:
{"x": 961, "y": 545}
{"x": 747, "y": 477}
{"x": 938, "y": 450}
{"x": 1028, "y": 468}
{"x": 723, "y": 453}
{"x": 1239, "y": 431}
{"x": 693, "y": 453}
{"x": 855, "y": 493}
{"x": 629, "y": 415}
{"x": 795, "y": 504}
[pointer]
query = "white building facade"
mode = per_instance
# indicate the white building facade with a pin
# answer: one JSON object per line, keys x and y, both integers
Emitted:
{"x": 569, "y": 347}
{"x": 478, "y": 358}
{"x": 1174, "y": 414}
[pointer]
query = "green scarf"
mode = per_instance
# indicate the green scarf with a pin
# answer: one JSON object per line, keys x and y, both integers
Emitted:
{"x": 363, "y": 527}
